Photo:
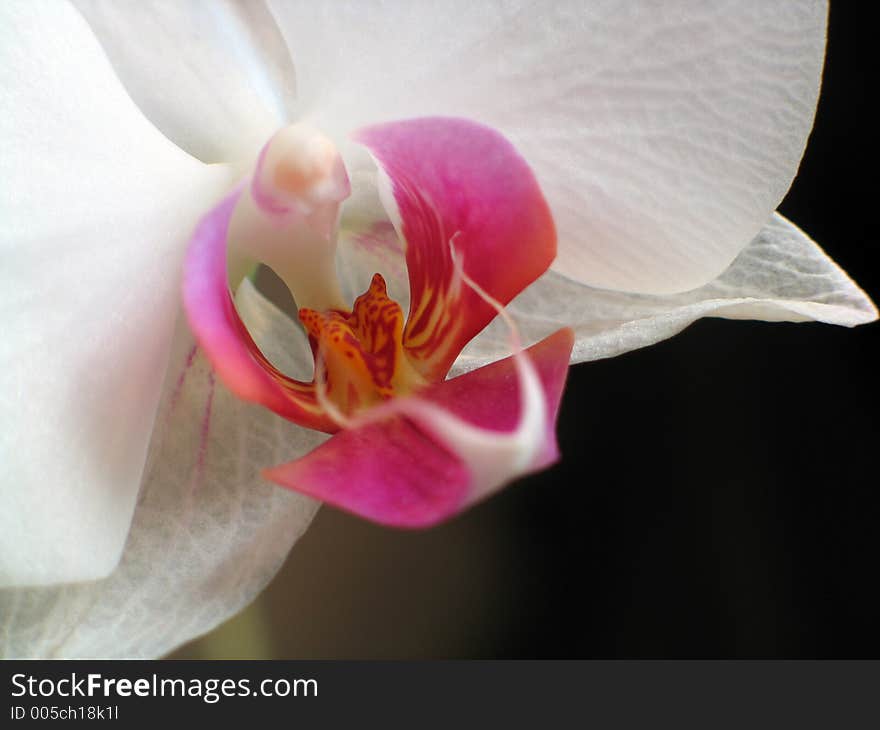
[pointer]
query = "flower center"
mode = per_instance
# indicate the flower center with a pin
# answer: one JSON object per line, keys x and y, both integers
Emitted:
{"x": 359, "y": 355}
{"x": 287, "y": 218}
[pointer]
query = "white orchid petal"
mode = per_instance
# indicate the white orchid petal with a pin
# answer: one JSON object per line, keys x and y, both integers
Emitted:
{"x": 213, "y": 75}
{"x": 781, "y": 276}
{"x": 95, "y": 210}
{"x": 663, "y": 133}
{"x": 208, "y": 532}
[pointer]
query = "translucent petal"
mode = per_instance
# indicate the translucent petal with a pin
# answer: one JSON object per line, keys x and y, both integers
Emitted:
{"x": 781, "y": 276}
{"x": 213, "y": 75}
{"x": 207, "y": 535}
{"x": 663, "y": 134}
{"x": 95, "y": 210}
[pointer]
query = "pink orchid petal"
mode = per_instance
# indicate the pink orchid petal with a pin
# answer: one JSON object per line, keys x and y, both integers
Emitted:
{"x": 398, "y": 468}
{"x": 456, "y": 180}
{"x": 224, "y": 338}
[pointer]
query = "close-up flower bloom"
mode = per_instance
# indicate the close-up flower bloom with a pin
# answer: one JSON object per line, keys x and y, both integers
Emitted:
{"x": 460, "y": 200}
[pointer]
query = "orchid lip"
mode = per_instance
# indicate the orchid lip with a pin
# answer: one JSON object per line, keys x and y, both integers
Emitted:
{"x": 475, "y": 230}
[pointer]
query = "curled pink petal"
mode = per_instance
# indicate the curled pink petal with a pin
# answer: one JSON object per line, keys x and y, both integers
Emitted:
{"x": 456, "y": 180}
{"x": 401, "y": 466}
{"x": 223, "y": 336}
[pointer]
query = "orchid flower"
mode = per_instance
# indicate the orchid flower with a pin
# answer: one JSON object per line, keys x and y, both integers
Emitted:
{"x": 587, "y": 178}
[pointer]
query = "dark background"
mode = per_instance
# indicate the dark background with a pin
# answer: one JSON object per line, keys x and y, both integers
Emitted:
{"x": 717, "y": 495}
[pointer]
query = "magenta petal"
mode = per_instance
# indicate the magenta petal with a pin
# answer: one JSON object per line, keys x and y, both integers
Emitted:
{"x": 456, "y": 180}
{"x": 397, "y": 471}
{"x": 390, "y": 472}
{"x": 490, "y": 399}
{"x": 223, "y": 336}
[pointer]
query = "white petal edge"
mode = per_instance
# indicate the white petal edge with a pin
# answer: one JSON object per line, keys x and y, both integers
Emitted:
{"x": 208, "y": 533}
{"x": 213, "y": 75}
{"x": 782, "y": 276}
{"x": 95, "y": 210}
{"x": 663, "y": 134}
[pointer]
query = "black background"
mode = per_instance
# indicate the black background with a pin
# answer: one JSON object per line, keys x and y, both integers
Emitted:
{"x": 717, "y": 495}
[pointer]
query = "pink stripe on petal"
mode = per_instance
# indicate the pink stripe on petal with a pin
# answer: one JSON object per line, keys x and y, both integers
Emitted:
{"x": 394, "y": 468}
{"x": 223, "y": 336}
{"x": 456, "y": 180}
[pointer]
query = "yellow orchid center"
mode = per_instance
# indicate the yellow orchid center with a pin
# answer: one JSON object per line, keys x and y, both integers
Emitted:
{"x": 361, "y": 352}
